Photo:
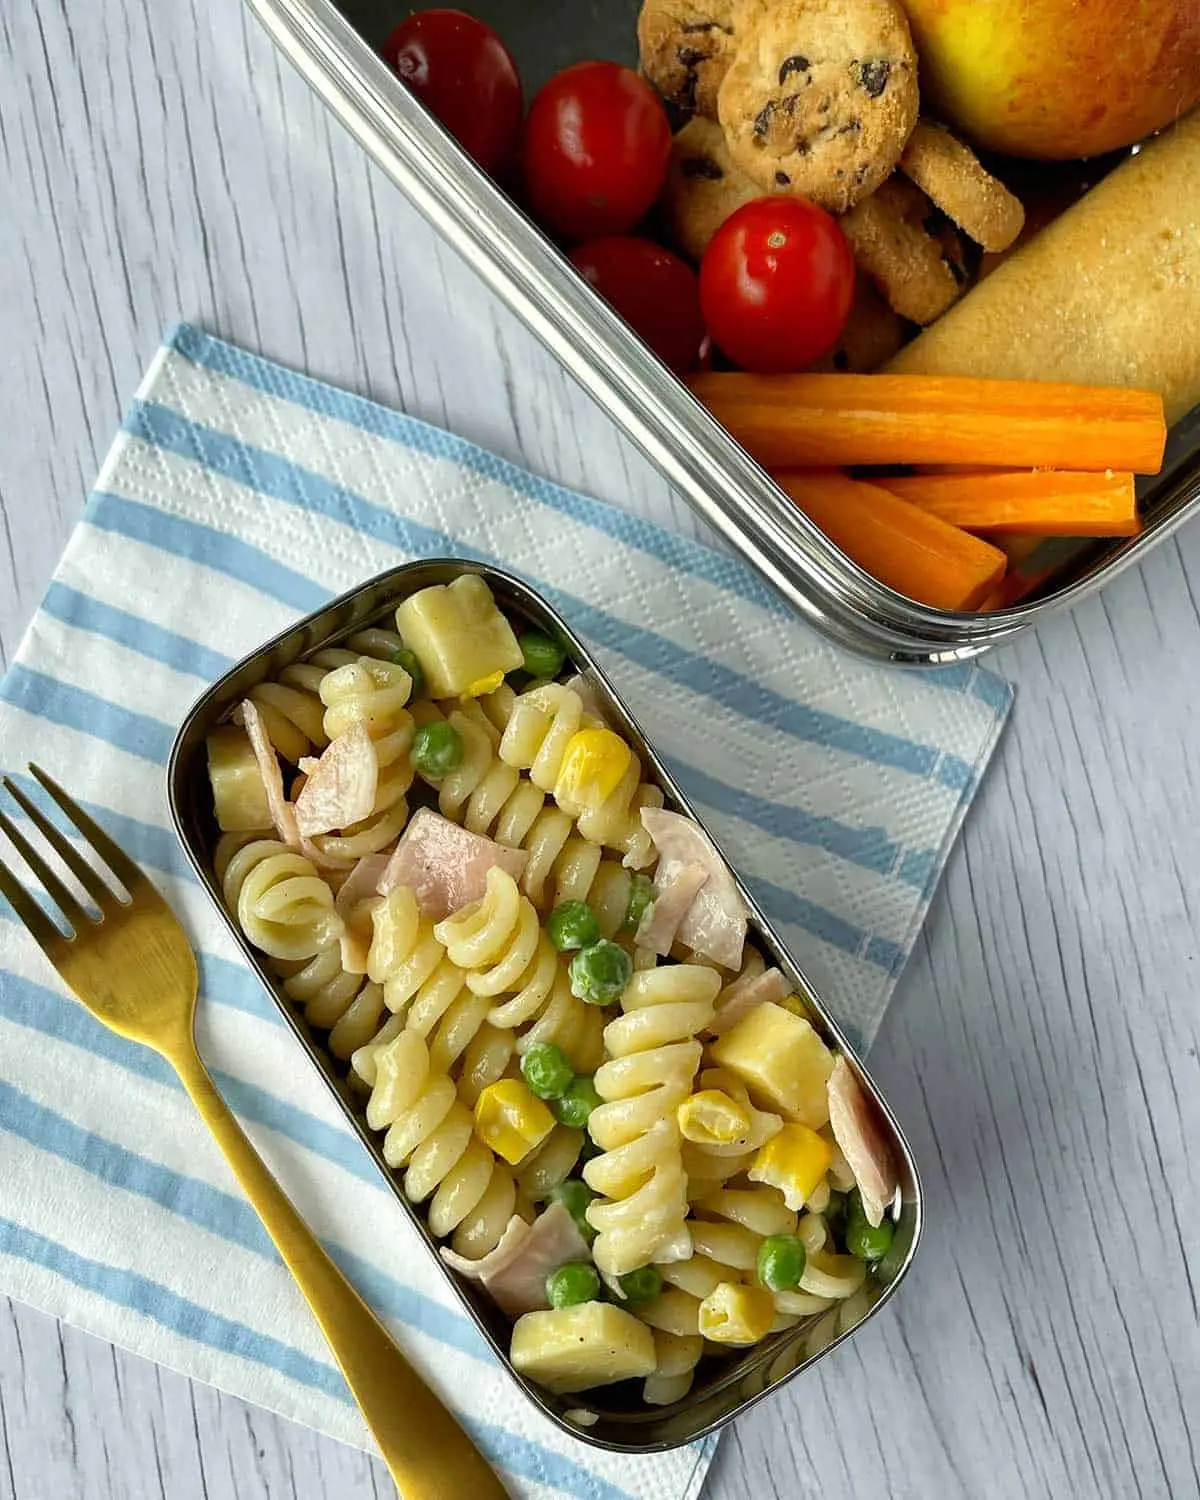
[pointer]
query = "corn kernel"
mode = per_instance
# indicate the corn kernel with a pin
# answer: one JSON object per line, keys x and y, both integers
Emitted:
{"x": 712, "y": 1118}
{"x": 510, "y": 1120}
{"x": 482, "y": 686}
{"x": 591, "y": 769}
{"x": 737, "y": 1314}
{"x": 794, "y": 1161}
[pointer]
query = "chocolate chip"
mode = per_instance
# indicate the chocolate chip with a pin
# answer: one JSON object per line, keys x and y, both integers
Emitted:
{"x": 692, "y": 28}
{"x": 762, "y": 120}
{"x": 782, "y": 179}
{"x": 797, "y": 64}
{"x": 871, "y": 77}
{"x": 690, "y": 57}
{"x": 851, "y": 128}
{"x": 701, "y": 166}
{"x": 958, "y": 272}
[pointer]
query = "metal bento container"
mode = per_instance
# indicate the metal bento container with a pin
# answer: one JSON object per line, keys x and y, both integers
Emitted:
{"x": 621, "y": 1422}
{"x": 333, "y": 46}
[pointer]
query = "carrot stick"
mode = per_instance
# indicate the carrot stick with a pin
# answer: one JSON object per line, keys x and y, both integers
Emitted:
{"x": 1044, "y": 502}
{"x": 903, "y": 546}
{"x": 824, "y": 421}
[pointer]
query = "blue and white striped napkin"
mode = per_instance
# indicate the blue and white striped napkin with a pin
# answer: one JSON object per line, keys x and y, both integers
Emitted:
{"x": 238, "y": 495}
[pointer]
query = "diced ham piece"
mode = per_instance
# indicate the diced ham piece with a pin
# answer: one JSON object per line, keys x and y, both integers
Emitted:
{"x": 283, "y": 815}
{"x": 351, "y": 905}
{"x": 862, "y": 1143}
{"x": 514, "y": 1273}
{"x": 340, "y": 790}
{"x": 715, "y": 924}
{"x": 743, "y": 995}
{"x": 444, "y": 865}
{"x": 672, "y": 901}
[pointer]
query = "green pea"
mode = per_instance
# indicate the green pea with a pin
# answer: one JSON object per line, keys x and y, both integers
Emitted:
{"x": 547, "y": 1070}
{"x": 575, "y": 1195}
{"x": 543, "y": 657}
{"x": 835, "y": 1213}
{"x": 403, "y": 657}
{"x": 642, "y": 1285}
{"x": 437, "y": 749}
{"x": 572, "y": 925}
{"x": 781, "y": 1262}
{"x": 866, "y": 1241}
{"x": 577, "y": 1103}
{"x": 599, "y": 973}
{"x": 572, "y": 1284}
{"x": 641, "y": 893}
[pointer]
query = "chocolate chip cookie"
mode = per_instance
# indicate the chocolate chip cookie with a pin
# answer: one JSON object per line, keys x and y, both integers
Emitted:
{"x": 872, "y": 335}
{"x": 950, "y": 173}
{"x": 703, "y": 187}
{"x": 908, "y": 249}
{"x": 821, "y": 97}
{"x": 685, "y": 47}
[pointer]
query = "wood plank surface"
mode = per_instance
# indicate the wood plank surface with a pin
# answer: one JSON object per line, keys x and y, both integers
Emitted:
{"x": 159, "y": 162}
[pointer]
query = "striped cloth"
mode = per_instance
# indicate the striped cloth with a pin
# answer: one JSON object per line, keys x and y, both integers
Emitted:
{"x": 237, "y": 495}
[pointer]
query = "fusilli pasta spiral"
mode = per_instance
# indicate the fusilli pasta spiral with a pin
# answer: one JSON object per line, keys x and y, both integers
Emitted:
{"x": 334, "y": 1000}
{"x": 489, "y": 796}
{"x": 581, "y": 873}
{"x": 282, "y": 904}
{"x": 654, "y": 1056}
{"x": 372, "y": 693}
{"x": 291, "y": 707}
{"x": 430, "y": 1133}
{"x": 500, "y": 942}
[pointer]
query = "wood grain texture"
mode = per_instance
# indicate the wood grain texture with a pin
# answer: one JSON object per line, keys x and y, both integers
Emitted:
{"x": 160, "y": 162}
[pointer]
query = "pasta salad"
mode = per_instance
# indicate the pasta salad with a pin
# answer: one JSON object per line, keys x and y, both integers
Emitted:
{"x": 616, "y": 1116}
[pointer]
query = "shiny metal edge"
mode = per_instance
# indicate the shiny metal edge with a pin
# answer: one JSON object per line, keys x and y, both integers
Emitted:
{"x": 764, "y": 1368}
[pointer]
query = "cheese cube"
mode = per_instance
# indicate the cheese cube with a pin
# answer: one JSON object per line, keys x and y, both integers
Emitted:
{"x": 239, "y": 796}
{"x": 463, "y": 642}
{"x": 782, "y": 1061}
{"x": 576, "y": 1348}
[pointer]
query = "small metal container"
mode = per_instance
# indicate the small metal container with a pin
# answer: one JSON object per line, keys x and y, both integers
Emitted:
{"x": 333, "y": 45}
{"x": 616, "y": 1418}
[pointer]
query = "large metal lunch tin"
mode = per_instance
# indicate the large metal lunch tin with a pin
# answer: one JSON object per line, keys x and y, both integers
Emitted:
{"x": 621, "y": 1421}
{"x": 333, "y": 47}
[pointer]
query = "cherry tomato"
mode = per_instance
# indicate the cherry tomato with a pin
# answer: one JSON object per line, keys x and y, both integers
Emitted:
{"x": 595, "y": 150}
{"x": 776, "y": 284}
{"x": 654, "y": 291}
{"x": 464, "y": 74}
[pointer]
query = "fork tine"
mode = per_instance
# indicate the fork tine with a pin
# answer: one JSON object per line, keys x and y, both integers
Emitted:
{"x": 55, "y": 889}
{"x": 62, "y": 846}
{"x": 43, "y": 931}
{"x": 113, "y": 856}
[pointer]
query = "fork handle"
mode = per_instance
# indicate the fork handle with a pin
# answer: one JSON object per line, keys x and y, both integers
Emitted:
{"x": 427, "y": 1453}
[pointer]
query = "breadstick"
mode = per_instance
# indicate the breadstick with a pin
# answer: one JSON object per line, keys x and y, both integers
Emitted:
{"x": 1108, "y": 294}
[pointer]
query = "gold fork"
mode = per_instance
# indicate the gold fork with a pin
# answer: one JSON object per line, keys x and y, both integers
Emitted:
{"x": 135, "y": 971}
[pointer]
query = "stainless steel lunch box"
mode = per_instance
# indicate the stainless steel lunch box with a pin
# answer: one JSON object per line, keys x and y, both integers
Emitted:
{"x": 333, "y": 47}
{"x": 621, "y": 1422}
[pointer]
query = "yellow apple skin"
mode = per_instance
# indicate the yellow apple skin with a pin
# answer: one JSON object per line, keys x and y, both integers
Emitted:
{"x": 1058, "y": 79}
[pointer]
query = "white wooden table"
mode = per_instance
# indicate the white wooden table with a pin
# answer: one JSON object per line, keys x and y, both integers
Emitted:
{"x": 158, "y": 162}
